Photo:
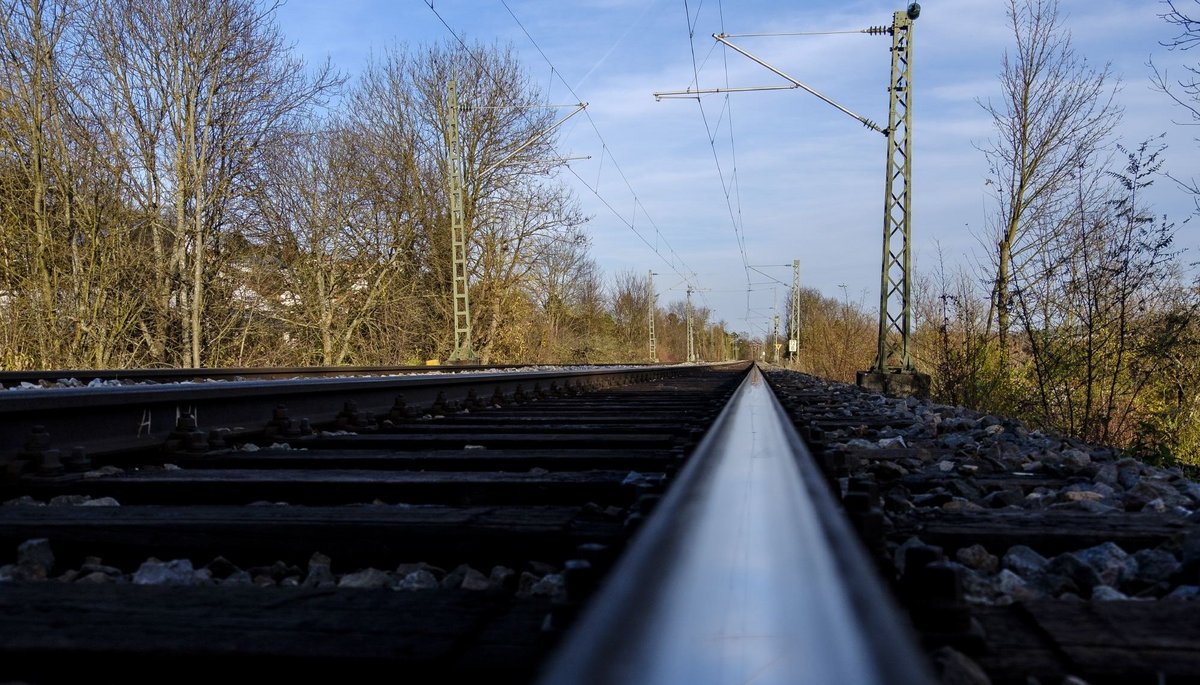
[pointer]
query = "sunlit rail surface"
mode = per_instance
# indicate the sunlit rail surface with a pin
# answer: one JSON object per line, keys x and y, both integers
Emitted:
{"x": 747, "y": 573}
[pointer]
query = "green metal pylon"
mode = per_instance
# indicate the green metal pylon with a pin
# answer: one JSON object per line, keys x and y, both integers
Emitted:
{"x": 458, "y": 240}
{"x": 650, "y": 316}
{"x": 691, "y": 346}
{"x": 794, "y": 327}
{"x": 895, "y": 293}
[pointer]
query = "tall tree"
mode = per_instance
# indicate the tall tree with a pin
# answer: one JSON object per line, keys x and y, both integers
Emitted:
{"x": 336, "y": 264}
{"x": 514, "y": 205}
{"x": 202, "y": 86}
{"x": 34, "y": 138}
{"x": 64, "y": 235}
{"x": 1056, "y": 111}
{"x": 630, "y": 306}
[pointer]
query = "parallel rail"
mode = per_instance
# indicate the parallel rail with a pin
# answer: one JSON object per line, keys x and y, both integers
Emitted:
{"x": 14, "y": 379}
{"x": 146, "y": 417}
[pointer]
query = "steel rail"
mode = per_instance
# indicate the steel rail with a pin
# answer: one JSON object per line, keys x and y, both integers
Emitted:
{"x": 747, "y": 572}
{"x": 13, "y": 379}
{"x": 144, "y": 416}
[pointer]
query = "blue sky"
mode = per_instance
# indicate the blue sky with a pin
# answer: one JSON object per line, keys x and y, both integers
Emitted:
{"x": 806, "y": 182}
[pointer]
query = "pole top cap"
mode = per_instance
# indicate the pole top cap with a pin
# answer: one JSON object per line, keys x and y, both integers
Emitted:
{"x": 914, "y": 10}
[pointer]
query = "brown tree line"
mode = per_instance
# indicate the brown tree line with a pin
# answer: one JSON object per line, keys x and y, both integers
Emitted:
{"x": 178, "y": 189}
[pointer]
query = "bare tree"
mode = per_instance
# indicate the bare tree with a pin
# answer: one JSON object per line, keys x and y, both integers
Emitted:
{"x": 514, "y": 207}
{"x": 329, "y": 267}
{"x": 202, "y": 86}
{"x": 32, "y": 35}
{"x": 1185, "y": 90}
{"x": 630, "y": 302}
{"x": 839, "y": 334}
{"x": 70, "y": 283}
{"x": 1055, "y": 113}
{"x": 1090, "y": 309}
{"x": 565, "y": 286}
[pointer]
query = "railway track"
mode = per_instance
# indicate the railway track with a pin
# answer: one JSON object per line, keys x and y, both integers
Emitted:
{"x": 445, "y": 527}
{"x": 653, "y": 525}
{"x": 101, "y": 377}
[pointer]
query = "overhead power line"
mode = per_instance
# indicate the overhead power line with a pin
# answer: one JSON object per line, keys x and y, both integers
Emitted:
{"x": 734, "y": 198}
{"x": 674, "y": 264}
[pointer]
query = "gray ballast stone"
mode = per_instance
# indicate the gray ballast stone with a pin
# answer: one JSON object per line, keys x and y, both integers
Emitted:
{"x": 1104, "y": 593}
{"x": 366, "y": 579}
{"x": 96, "y": 565}
{"x": 35, "y": 558}
{"x": 418, "y": 580}
{"x": 174, "y": 572}
{"x": 320, "y": 574}
{"x": 1185, "y": 592}
{"x": 1014, "y": 587}
{"x": 551, "y": 585}
{"x": 239, "y": 579}
{"x": 476, "y": 581}
{"x": 955, "y": 668}
{"x": 1069, "y": 573}
{"x": 1155, "y": 565}
{"x": 978, "y": 558}
{"x": 1111, "y": 563}
{"x": 502, "y": 576}
{"x": 221, "y": 567}
{"x": 1008, "y": 497}
{"x": 95, "y": 578}
{"x": 1023, "y": 561}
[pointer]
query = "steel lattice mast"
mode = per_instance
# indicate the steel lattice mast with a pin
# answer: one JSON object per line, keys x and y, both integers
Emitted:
{"x": 895, "y": 290}
{"x": 650, "y": 316}
{"x": 794, "y": 324}
{"x": 691, "y": 346}
{"x": 893, "y": 370}
{"x": 458, "y": 239}
{"x": 458, "y": 229}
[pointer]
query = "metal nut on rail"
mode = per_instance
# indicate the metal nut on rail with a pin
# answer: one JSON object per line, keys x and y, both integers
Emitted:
{"x": 37, "y": 442}
{"x": 440, "y": 406}
{"x": 78, "y": 460}
{"x": 473, "y": 402}
{"x": 280, "y": 425}
{"x": 498, "y": 398}
{"x": 50, "y": 463}
{"x": 351, "y": 418}
{"x": 400, "y": 410}
{"x": 216, "y": 438}
{"x": 187, "y": 437}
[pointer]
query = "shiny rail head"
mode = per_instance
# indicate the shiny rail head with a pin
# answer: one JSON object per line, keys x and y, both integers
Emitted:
{"x": 746, "y": 573}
